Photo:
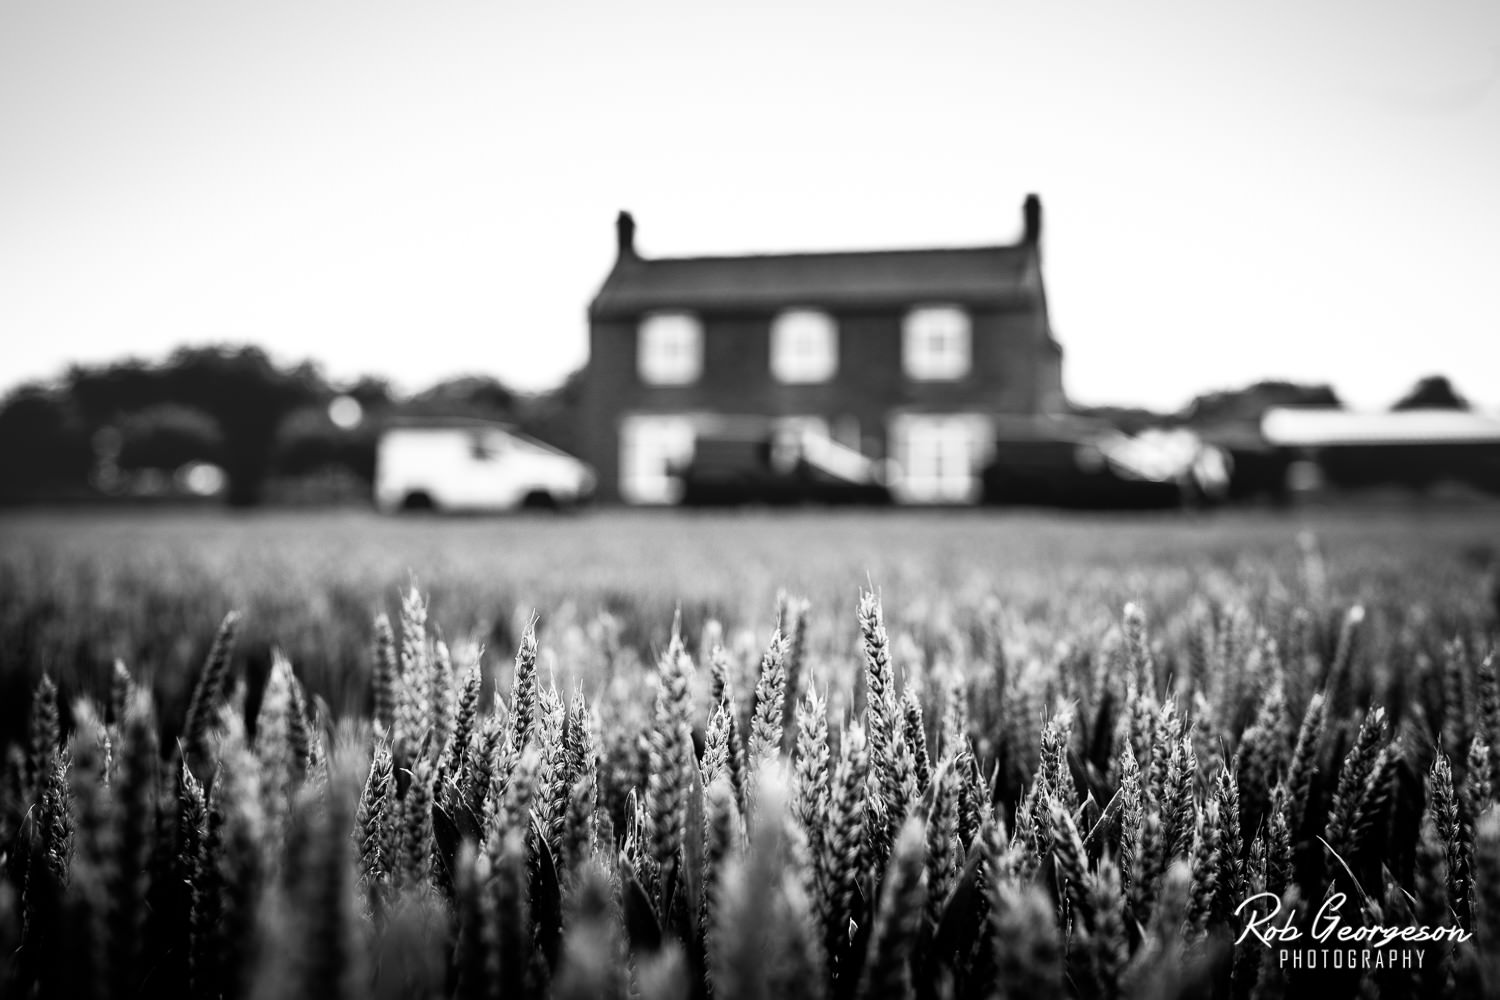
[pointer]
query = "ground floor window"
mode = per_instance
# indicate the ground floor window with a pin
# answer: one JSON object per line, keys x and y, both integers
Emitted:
{"x": 653, "y": 451}
{"x": 940, "y": 456}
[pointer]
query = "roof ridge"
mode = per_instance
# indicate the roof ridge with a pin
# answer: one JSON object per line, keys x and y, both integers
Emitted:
{"x": 789, "y": 254}
{"x": 987, "y": 273}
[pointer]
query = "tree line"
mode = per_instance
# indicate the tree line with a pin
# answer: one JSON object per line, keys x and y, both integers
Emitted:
{"x": 234, "y": 408}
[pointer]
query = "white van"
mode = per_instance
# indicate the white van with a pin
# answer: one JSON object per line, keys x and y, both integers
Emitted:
{"x": 473, "y": 466}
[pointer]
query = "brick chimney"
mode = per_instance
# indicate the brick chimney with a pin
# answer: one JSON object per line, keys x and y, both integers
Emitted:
{"x": 1031, "y": 215}
{"x": 625, "y": 234}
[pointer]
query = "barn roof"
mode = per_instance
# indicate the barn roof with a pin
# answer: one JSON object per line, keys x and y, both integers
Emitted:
{"x": 1314, "y": 427}
{"x": 995, "y": 275}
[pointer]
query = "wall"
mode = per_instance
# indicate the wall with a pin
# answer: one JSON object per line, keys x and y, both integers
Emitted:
{"x": 1013, "y": 368}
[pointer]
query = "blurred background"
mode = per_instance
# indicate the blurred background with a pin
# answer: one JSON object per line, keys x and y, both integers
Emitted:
{"x": 377, "y": 256}
{"x": 274, "y": 276}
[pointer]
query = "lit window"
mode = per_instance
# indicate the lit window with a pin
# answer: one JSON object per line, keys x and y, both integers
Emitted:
{"x": 653, "y": 452}
{"x": 940, "y": 456}
{"x": 804, "y": 347}
{"x": 671, "y": 349}
{"x": 935, "y": 343}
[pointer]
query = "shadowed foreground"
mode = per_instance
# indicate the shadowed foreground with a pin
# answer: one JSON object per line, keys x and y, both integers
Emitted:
{"x": 1026, "y": 785}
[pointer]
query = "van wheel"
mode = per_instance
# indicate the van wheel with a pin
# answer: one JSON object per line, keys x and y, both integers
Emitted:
{"x": 418, "y": 500}
{"x": 539, "y": 500}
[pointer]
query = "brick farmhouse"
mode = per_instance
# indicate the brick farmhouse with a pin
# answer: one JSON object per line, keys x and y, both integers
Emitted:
{"x": 909, "y": 358}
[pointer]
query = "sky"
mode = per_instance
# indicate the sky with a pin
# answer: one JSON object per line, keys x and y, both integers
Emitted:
{"x": 1232, "y": 190}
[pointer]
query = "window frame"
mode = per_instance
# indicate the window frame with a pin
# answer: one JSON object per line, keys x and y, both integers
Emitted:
{"x": 655, "y": 362}
{"x": 789, "y": 329}
{"x": 919, "y": 361}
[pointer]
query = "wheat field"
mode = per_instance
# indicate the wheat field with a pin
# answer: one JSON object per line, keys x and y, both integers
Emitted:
{"x": 745, "y": 756}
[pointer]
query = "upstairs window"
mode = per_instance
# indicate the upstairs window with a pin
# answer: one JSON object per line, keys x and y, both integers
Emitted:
{"x": 935, "y": 344}
{"x": 804, "y": 347}
{"x": 670, "y": 349}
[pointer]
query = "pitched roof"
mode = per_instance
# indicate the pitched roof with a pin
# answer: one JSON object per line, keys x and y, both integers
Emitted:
{"x": 971, "y": 275}
{"x": 1319, "y": 426}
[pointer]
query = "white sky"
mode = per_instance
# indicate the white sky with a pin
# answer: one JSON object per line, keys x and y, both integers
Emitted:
{"x": 1232, "y": 190}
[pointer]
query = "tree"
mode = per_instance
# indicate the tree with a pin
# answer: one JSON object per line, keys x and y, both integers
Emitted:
{"x": 44, "y": 444}
{"x": 1249, "y": 404}
{"x": 465, "y": 396}
{"x": 552, "y": 416}
{"x": 308, "y": 442}
{"x": 1434, "y": 392}
{"x": 239, "y": 388}
{"x": 167, "y": 436}
{"x": 372, "y": 393}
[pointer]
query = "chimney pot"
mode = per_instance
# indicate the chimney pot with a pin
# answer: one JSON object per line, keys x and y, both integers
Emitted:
{"x": 1031, "y": 215}
{"x": 625, "y": 234}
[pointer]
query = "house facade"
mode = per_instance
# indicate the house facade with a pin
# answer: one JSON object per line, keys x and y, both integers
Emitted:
{"x": 908, "y": 357}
